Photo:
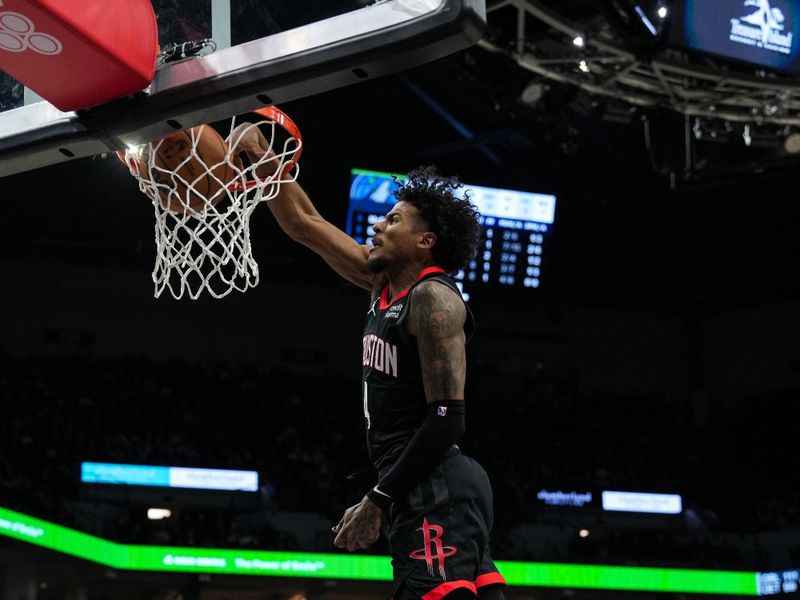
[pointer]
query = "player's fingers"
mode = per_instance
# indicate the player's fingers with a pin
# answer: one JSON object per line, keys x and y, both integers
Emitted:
{"x": 344, "y": 538}
{"x": 352, "y": 543}
{"x": 371, "y": 538}
{"x": 336, "y": 528}
{"x": 340, "y": 541}
{"x": 365, "y": 539}
{"x": 349, "y": 541}
{"x": 254, "y": 154}
{"x": 238, "y": 137}
{"x": 262, "y": 141}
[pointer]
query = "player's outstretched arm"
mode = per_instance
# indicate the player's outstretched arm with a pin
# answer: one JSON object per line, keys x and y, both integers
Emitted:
{"x": 300, "y": 220}
{"x": 436, "y": 319}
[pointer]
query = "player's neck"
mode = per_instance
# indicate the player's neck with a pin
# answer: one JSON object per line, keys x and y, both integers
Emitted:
{"x": 405, "y": 277}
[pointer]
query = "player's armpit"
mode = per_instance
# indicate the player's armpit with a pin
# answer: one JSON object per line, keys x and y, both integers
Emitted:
{"x": 301, "y": 221}
{"x": 436, "y": 319}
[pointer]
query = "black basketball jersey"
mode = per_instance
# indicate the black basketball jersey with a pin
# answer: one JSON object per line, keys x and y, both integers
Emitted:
{"x": 393, "y": 393}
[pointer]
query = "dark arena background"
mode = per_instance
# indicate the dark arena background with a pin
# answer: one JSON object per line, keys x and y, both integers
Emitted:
{"x": 632, "y": 389}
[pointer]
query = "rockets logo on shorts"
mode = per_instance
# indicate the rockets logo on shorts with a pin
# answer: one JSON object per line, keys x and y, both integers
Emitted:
{"x": 379, "y": 354}
{"x": 433, "y": 547}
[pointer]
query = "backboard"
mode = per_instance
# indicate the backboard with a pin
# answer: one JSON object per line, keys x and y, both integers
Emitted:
{"x": 265, "y": 52}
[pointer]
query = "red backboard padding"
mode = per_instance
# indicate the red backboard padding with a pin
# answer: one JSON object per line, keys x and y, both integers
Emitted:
{"x": 79, "y": 53}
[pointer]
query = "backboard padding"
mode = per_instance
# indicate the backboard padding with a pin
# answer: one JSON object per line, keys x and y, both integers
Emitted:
{"x": 309, "y": 59}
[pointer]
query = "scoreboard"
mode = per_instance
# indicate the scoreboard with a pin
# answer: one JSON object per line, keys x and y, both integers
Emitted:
{"x": 515, "y": 226}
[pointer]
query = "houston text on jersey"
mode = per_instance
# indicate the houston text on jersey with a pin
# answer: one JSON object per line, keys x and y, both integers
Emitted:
{"x": 380, "y": 355}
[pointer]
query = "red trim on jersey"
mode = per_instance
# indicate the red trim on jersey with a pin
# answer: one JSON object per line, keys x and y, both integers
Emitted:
{"x": 429, "y": 270}
{"x": 384, "y": 303}
{"x": 489, "y": 579}
{"x": 440, "y": 591}
{"x": 384, "y": 299}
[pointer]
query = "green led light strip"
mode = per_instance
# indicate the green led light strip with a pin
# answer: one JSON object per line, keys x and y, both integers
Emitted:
{"x": 343, "y": 566}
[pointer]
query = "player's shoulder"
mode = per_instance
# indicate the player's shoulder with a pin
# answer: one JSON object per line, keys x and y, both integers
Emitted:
{"x": 435, "y": 294}
{"x": 436, "y": 310}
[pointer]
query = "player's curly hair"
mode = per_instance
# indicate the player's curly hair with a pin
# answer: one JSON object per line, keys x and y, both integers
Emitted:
{"x": 454, "y": 220}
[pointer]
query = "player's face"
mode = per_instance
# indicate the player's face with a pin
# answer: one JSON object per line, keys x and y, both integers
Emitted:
{"x": 396, "y": 240}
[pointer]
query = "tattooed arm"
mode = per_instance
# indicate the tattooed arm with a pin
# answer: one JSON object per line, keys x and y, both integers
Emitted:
{"x": 436, "y": 320}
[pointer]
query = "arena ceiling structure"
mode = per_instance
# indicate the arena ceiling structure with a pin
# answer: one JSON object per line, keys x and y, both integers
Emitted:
{"x": 621, "y": 53}
{"x": 650, "y": 63}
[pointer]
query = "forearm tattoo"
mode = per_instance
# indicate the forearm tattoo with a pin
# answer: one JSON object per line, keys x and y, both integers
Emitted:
{"x": 436, "y": 320}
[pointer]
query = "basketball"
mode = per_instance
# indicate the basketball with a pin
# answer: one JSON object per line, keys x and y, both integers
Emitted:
{"x": 190, "y": 168}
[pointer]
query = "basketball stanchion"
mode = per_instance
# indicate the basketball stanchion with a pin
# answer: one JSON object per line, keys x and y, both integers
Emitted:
{"x": 204, "y": 189}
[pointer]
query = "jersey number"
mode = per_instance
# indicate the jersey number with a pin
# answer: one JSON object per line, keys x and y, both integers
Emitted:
{"x": 366, "y": 405}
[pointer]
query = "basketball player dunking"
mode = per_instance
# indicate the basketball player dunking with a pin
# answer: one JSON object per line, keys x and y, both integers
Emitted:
{"x": 435, "y": 502}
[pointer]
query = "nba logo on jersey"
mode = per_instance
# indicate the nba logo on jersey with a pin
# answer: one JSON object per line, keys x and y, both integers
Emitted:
{"x": 441, "y": 410}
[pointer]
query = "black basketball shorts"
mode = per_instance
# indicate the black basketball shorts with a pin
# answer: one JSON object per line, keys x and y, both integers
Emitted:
{"x": 439, "y": 533}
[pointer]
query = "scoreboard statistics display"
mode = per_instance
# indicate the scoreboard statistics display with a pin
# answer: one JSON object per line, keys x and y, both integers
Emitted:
{"x": 515, "y": 226}
{"x": 778, "y": 582}
{"x": 764, "y": 33}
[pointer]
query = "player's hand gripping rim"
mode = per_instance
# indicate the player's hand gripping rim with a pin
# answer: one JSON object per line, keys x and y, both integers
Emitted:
{"x": 248, "y": 138}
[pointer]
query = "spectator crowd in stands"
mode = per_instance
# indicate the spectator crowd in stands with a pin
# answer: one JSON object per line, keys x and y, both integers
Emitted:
{"x": 305, "y": 436}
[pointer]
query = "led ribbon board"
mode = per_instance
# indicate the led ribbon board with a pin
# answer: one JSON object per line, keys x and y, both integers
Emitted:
{"x": 374, "y": 568}
{"x": 173, "y": 477}
{"x": 634, "y": 502}
{"x": 640, "y": 502}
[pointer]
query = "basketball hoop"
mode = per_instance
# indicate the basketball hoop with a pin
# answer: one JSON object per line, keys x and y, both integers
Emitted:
{"x": 203, "y": 210}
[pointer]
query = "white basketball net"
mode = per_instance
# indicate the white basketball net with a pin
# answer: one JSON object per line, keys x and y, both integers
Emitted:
{"x": 203, "y": 243}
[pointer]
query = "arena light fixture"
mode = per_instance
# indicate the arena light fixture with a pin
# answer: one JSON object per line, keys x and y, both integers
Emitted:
{"x": 713, "y": 130}
{"x": 645, "y": 16}
{"x": 579, "y": 41}
{"x": 533, "y": 93}
{"x": 657, "y": 12}
{"x": 792, "y": 143}
{"x": 158, "y": 514}
{"x": 646, "y": 20}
